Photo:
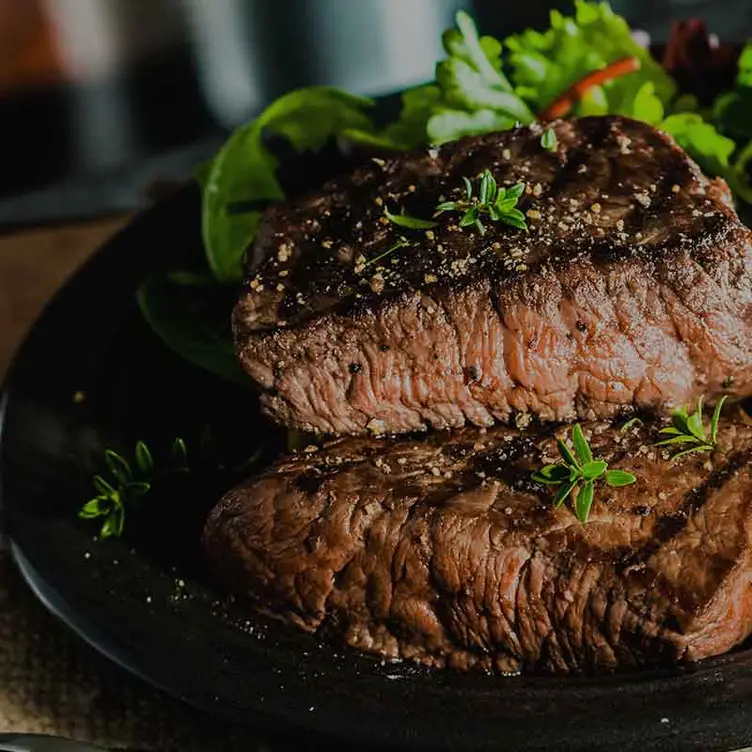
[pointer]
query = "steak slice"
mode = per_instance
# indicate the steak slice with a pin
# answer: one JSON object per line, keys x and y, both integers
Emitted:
{"x": 632, "y": 288}
{"x": 442, "y": 551}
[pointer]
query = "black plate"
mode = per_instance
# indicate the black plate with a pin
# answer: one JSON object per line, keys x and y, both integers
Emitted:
{"x": 144, "y": 602}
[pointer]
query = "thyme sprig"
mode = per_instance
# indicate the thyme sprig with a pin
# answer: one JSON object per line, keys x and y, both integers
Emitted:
{"x": 491, "y": 201}
{"x": 577, "y": 473}
{"x": 124, "y": 483}
{"x": 690, "y": 429}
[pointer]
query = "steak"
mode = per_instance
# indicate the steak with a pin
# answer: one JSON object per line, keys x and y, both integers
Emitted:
{"x": 633, "y": 287}
{"x": 441, "y": 550}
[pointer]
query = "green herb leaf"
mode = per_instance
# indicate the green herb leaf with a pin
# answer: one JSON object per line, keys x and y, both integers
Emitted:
{"x": 118, "y": 466}
{"x": 179, "y": 451}
{"x": 629, "y": 424}
{"x": 691, "y": 450}
{"x": 469, "y": 217}
{"x": 137, "y": 489}
{"x": 593, "y": 469}
{"x": 515, "y": 218}
{"x": 113, "y": 525}
{"x": 671, "y": 431}
{"x": 581, "y": 445}
{"x": 513, "y": 193}
{"x": 493, "y": 202}
{"x": 103, "y": 487}
{"x": 618, "y": 478}
{"x": 563, "y": 492}
{"x": 548, "y": 140}
{"x": 690, "y": 429}
{"x": 581, "y": 470}
{"x": 567, "y": 455}
{"x": 552, "y": 475}
{"x": 412, "y": 223}
{"x": 401, "y": 243}
{"x": 680, "y": 439}
{"x": 446, "y": 206}
{"x": 584, "y": 502}
{"x": 144, "y": 460}
{"x": 485, "y": 182}
{"x": 694, "y": 423}
{"x": 716, "y": 418}
{"x": 174, "y": 316}
{"x": 97, "y": 507}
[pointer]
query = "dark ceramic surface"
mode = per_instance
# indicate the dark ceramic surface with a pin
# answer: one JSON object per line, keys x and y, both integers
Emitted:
{"x": 126, "y": 596}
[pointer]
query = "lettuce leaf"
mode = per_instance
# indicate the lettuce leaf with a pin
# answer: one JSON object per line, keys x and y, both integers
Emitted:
{"x": 545, "y": 64}
{"x": 243, "y": 173}
{"x": 710, "y": 149}
{"x": 470, "y": 95}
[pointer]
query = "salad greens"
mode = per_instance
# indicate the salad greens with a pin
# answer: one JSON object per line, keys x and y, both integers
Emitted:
{"x": 543, "y": 65}
{"x": 481, "y": 85}
{"x": 242, "y": 176}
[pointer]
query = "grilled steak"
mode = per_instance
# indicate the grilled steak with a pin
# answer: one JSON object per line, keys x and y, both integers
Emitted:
{"x": 442, "y": 551}
{"x": 632, "y": 288}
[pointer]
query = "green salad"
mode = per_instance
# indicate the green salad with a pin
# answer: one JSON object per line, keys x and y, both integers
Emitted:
{"x": 584, "y": 64}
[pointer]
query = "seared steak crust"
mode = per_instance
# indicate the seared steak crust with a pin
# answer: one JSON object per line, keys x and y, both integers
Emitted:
{"x": 632, "y": 288}
{"x": 442, "y": 551}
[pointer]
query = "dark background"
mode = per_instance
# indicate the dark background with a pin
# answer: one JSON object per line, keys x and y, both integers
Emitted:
{"x": 100, "y": 98}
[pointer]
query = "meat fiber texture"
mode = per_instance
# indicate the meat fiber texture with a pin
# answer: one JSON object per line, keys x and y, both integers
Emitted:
{"x": 442, "y": 551}
{"x": 632, "y": 288}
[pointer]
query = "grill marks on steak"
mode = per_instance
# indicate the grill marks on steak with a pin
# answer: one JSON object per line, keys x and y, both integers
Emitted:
{"x": 442, "y": 551}
{"x": 633, "y": 287}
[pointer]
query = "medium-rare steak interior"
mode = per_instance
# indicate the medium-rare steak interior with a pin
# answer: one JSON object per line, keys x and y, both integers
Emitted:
{"x": 632, "y": 287}
{"x": 441, "y": 550}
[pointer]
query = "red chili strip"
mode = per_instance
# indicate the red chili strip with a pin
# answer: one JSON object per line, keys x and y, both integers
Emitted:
{"x": 564, "y": 103}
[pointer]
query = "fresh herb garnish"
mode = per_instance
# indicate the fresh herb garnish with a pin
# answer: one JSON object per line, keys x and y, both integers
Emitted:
{"x": 577, "y": 474}
{"x": 400, "y": 243}
{"x": 690, "y": 429}
{"x": 412, "y": 223}
{"x": 498, "y": 204}
{"x": 548, "y": 140}
{"x": 125, "y": 484}
{"x": 631, "y": 422}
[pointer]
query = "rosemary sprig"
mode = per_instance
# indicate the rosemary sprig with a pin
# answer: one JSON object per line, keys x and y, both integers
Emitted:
{"x": 498, "y": 204}
{"x": 690, "y": 429}
{"x": 577, "y": 474}
{"x": 125, "y": 484}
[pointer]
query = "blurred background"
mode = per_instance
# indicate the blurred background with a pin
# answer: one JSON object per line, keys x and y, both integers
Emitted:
{"x": 99, "y": 98}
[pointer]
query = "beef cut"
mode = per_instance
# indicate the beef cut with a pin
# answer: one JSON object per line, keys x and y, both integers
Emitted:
{"x": 441, "y": 550}
{"x": 633, "y": 287}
